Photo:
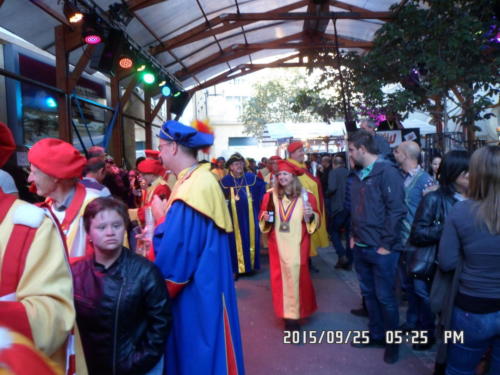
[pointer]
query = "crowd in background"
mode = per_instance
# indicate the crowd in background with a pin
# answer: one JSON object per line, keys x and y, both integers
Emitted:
{"x": 427, "y": 237}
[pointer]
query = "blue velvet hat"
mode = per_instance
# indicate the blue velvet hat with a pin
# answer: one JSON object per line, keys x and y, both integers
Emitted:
{"x": 185, "y": 135}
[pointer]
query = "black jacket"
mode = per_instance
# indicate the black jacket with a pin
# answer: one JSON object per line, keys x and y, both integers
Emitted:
{"x": 123, "y": 314}
{"x": 378, "y": 207}
{"x": 429, "y": 218}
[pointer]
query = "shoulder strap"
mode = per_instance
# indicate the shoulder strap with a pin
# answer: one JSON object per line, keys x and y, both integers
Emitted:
{"x": 6, "y": 202}
{"x": 14, "y": 258}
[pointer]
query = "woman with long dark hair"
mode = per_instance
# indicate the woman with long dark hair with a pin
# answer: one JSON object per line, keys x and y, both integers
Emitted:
{"x": 471, "y": 237}
{"x": 427, "y": 229}
{"x": 121, "y": 301}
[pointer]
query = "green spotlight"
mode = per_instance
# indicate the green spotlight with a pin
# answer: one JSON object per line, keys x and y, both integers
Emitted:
{"x": 148, "y": 78}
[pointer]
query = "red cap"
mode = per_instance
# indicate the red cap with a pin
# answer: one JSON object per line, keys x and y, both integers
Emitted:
{"x": 286, "y": 166}
{"x": 151, "y": 166}
{"x": 152, "y": 154}
{"x": 57, "y": 158}
{"x": 275, "y": 157}
{"x": 294, "y": 146}
{"x": 7, "y": 144}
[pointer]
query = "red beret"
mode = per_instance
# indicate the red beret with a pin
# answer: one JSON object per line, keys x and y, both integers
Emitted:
{"x": 57, "y": 158}
{"x": 151, "y": 166}
{"x": 152, "y": 154}
{"x": 7, "y": 144}
{"x": 275, "y": 157}
{"x": 294, "y": 146}
{"x": 286, "y": 166}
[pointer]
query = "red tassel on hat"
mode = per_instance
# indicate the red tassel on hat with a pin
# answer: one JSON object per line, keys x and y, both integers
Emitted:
{"x": 203, "y": 127}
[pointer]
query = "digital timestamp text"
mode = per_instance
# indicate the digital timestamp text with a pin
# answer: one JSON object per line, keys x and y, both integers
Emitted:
{"x": 363, "y": 337}
{"x": 326, "y": 337}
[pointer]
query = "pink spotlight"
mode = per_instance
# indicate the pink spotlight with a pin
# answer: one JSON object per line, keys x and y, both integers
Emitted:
{"x": 92, "y": 39}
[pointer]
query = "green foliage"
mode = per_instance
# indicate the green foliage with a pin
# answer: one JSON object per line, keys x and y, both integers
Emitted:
{"x": 273, "y": 102}
{"x": 444, "y": 41}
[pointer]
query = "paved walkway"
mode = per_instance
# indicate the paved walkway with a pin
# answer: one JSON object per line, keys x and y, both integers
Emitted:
{"x": 337, "y": 292}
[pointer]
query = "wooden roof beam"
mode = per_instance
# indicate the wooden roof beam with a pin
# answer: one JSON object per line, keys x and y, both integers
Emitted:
{"x": 51, "y": 12}
{"x": 80, "y": 67}
{"x": 240, "y": 50}
{"x": 245, "y": 69}
{"x": 230, "y": 53}
{"x": 314, "y": 25}
{"x": 134, "y": 5}
{"x": 349, "y": 7}
{"x": 225, "y": 76}
{"x": 215, "y": 26}
{"x": 300, "y": 16}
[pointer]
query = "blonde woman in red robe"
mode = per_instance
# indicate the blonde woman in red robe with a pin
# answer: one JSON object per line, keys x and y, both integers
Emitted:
{"x": 289, "y": 214}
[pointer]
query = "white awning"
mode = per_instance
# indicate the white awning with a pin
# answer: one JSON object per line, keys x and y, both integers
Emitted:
{"x": 305, "y": 130}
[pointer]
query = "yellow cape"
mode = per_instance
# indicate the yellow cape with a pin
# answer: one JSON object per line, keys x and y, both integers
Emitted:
{"x": 201, "y": 191}
{"x": 320, "y": 237}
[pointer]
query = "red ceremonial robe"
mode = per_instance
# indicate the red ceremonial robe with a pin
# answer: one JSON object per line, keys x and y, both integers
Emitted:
{"x": 291, "y": 283}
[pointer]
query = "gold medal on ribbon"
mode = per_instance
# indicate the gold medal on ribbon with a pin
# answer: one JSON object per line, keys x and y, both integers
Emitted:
{"x": 284, "y": 227}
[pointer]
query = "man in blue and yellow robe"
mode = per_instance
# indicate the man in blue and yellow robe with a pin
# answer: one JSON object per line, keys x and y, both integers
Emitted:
{"x": 244, "y": 192}
{"x": 193, "y": 254}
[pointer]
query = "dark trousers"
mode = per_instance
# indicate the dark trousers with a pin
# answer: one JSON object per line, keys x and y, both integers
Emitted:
{"x": 406, "y": 283}
{"x": 339, "y": 221}
{"x": 377, "y": 280}
{"x": 425, "y": 317}
{"x": 480, "y": 332}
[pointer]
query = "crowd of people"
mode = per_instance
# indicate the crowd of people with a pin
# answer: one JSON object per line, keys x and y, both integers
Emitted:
{"x": 133, "y": 272}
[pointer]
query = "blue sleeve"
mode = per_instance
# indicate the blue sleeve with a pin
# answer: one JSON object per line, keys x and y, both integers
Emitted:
{"x": 178, "y": 242}
{"x": 449, "y": 246}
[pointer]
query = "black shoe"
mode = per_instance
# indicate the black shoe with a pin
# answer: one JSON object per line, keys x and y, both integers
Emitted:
{"x": 439, "y": 369}
{"x": 360, "y": 312}
{"x": 292, "y": 325}
{"x": 373, "y": 343}
{"x": 391, "y": 354}
{"x": 342, "y": 262}
{"x": 423, "y": 347}
{"x": 347, "y": 267}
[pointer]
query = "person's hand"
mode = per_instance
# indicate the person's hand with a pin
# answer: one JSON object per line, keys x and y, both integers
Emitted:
{"x": 265, "y": 216}
{"x": 158, "y": 208}
{"x": 351, "y": 243}
{"x": 382, "y": 251}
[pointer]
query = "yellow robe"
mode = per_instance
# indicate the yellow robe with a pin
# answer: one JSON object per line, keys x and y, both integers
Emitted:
{"x": 320, "y": 237}
{"x": 293, "y": 293}
{"x": 45, "y": 288}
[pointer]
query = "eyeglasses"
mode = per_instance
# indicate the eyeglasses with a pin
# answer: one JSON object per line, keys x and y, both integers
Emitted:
{"x": 160, "y": 146}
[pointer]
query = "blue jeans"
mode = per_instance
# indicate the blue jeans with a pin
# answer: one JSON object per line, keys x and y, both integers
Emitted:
{"x": 377, "y": 280}
{"x": 425, "y": 317}
{"x": 338, "y": 221}
{"x": 480, "y": 332}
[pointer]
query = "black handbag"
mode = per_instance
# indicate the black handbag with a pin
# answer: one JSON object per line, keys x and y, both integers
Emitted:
{"x": 422, "y": 263}
{"x": 422, "y": 260}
